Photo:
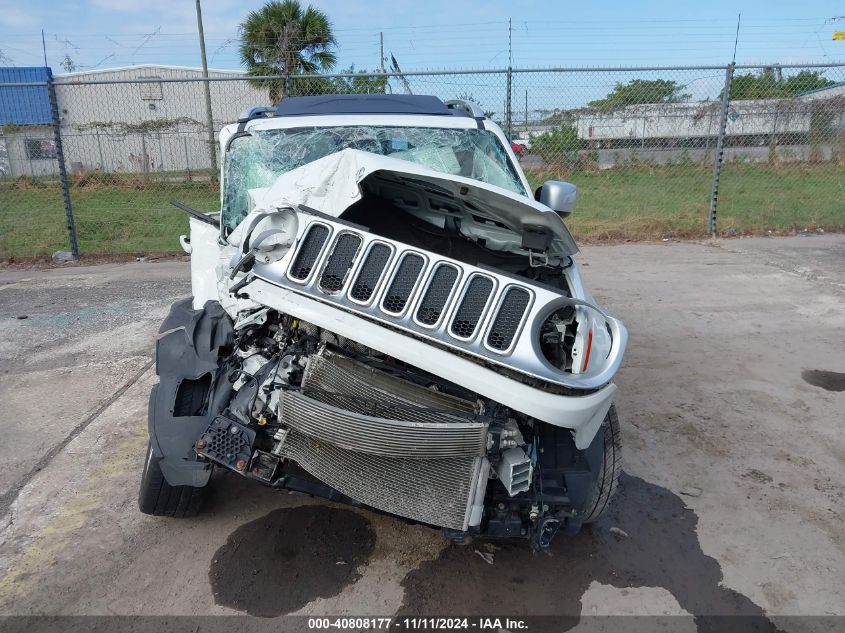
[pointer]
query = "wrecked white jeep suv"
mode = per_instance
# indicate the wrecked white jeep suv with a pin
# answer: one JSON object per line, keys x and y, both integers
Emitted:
{"x": 384, "y": 315}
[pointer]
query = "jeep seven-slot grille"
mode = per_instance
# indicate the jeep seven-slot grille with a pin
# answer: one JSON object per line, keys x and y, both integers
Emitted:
{"x": 508, "y": 318}
{"x": 340, "y": 262}
{"x": 434, "y": 300}
{"x": 370, "y": 273}
{"x": 472, "y": 306}
{"x": 403, "y": 283}
{"x": 309, "y": 251}
{"x": 450, "y": 300}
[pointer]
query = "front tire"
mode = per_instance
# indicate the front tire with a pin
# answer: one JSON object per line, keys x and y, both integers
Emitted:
{"x": 159, "y": 498}
{"x": 604, "y": 487}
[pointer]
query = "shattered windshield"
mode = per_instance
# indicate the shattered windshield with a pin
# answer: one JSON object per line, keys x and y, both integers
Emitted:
{"x": 257, "y": 159}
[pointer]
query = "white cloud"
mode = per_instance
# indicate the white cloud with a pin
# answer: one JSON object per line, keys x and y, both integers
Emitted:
{"x": 15, "y": 17}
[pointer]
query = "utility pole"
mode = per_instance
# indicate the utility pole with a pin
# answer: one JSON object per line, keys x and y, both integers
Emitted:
{"x": 381, "y": 50}
{"x": 212, "y": 151}
{"x": 508, "y": 106}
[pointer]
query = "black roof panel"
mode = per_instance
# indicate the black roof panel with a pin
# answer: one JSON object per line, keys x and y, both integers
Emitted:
{"x": 365, "y": 104}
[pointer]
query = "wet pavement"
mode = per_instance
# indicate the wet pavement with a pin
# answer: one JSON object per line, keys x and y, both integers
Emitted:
{"x": 827, "y": 380}
{"x": 277, "y": 564}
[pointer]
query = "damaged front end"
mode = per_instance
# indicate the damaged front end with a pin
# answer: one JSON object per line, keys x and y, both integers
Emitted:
{"x": 385, "y": 335}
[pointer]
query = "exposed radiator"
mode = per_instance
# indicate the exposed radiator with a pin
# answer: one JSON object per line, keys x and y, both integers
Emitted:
{"x": 380, "y": 435}
{"x": 386, "y": 442}
{"x": 330, "y": 373}
{"x": 435, "y": 491}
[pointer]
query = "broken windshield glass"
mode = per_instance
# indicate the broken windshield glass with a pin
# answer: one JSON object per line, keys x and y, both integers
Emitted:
{"x": 257, "y": 159}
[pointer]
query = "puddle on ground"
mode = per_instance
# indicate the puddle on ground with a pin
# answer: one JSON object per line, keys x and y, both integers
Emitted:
{"x": 284, "y": 560}
{"x": 280, "y": 562}
{"x": 830, "y": 380}
{"x": 661, "y": 550}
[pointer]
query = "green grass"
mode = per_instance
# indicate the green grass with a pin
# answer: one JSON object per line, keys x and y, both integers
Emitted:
{"x": 110, "y": 219}
{"x": 646, "y": 203}
{"x": 123, "y": 216}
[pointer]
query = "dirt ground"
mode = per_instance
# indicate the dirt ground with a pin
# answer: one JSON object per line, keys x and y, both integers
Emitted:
{"x": 732, "y": 416}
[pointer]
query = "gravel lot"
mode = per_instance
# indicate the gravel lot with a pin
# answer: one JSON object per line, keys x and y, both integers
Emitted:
{"x": 731, "y": 499}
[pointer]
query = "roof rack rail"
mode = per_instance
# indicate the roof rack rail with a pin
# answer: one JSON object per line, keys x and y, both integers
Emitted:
{"x": 467, "y": 106}
{"x": 256, "y": 112}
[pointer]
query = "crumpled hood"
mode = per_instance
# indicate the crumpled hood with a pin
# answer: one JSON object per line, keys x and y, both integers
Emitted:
{"x": 333, "y": 183}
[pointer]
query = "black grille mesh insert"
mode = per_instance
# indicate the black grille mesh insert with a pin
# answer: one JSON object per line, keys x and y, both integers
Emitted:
{"x": 309, "y": 251}
{"x": 370, "y": 273}
{"x": 507, "y": 319}
{"x": 340, "y": 261}
{"x": 434, "y": 300}
{"x": 472, "y": 306}
{"x": 403, "y": 283}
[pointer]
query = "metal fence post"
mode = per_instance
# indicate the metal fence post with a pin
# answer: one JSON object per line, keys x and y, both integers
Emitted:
{"x": 60, "y": 155}
{"x": 720, "y": 142}
{"x": 100, "y": 152}
{"x": 508, "y": 105}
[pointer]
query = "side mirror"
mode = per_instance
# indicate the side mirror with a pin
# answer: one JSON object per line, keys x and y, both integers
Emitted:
{"x": 557, "y": 195}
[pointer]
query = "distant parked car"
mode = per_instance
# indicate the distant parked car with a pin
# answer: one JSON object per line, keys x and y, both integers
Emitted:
{"x": 518, "y": 148}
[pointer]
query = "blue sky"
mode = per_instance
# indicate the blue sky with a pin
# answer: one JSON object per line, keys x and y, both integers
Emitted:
{"x": 435, "y": 34}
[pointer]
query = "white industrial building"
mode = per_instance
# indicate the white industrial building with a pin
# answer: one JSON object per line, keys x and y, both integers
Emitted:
{"x": 110, "y": 122}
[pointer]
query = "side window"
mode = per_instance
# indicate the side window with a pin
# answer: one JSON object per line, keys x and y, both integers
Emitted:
{"x": 40, "y": 148}
{"x": 248, "y": 165}
{"x": 151, "y": 91}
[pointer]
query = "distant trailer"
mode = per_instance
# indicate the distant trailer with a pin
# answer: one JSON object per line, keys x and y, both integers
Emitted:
{"x": 696, "y": 124}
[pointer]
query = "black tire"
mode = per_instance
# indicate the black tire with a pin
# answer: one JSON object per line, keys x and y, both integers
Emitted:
{"x": 605, "y": 485}
{"x": 159, "y": 498}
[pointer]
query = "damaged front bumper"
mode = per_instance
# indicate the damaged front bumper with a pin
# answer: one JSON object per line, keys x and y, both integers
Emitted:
{"x": 475, "y": 326}
{"x": 581, "y": 411}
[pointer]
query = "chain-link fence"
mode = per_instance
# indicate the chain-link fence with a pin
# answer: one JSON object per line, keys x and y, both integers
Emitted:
{"x": 655, "y": 152}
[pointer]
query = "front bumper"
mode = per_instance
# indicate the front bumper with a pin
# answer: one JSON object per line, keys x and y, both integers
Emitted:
{"x": 581, "y": 413}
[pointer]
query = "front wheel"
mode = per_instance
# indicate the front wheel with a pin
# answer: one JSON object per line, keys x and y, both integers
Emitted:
{"x": 604, "y": 486}
{"x": 159, "y": 498}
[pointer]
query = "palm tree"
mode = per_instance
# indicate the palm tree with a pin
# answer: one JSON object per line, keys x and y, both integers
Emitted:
{"x": 281, "y": 38}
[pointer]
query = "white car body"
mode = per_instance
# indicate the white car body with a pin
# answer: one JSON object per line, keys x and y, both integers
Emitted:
{"x": 249, "y": 269}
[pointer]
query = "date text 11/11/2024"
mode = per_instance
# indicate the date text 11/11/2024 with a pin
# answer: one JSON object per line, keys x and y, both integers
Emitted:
{"x": 417, "y": 623}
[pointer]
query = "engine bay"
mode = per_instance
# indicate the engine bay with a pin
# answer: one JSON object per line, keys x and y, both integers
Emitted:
{"x": 305, "y": 402}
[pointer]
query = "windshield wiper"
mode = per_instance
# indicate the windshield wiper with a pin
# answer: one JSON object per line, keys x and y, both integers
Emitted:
{"x": 199, "y": 215}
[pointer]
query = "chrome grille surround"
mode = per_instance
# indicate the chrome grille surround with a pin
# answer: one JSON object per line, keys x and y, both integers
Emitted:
{"x": 310, "y": 251}
{"x": 510, "y": 314}
{"x": 403, "y": 283}
{"x": 370, "y": 274}
{"x": 523, "y": 355}
{"x": 437, "y": 294}
{"x": 475, "y": 298}
{"x": 336, "y": 270}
